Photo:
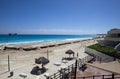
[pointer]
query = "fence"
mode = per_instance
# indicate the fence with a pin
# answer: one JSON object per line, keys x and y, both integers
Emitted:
{"x": 70, "y": 70}
{"x": 111, "y": 76}
{"x": 63, "y": 73}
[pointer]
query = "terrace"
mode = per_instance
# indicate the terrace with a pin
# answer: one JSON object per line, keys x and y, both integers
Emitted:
{"x": 95, "y": 70}
{"x": 106, "y": 50}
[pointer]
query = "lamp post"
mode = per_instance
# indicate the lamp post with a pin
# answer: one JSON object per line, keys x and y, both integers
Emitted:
{"x": 47, "y": 54}
{"x": 8, "y": 63}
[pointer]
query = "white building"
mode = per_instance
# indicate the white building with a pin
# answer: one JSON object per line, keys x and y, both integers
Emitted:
{"x": 112, "y": 39}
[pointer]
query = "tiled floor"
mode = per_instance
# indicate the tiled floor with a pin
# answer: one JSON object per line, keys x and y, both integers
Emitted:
{"x": 92, "y": 71}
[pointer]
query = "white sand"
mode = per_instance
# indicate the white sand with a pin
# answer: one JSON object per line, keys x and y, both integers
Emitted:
{"x": 23, "y": 61}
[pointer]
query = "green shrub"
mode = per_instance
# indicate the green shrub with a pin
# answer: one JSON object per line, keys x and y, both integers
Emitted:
{"x": 105, "y": 50}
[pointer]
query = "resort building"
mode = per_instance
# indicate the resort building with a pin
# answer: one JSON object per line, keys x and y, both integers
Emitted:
{"x": 113, "y": 35}
{"x": 112, "y": 39}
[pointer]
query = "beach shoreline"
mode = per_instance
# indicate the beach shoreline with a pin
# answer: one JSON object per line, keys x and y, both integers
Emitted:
{"x": 24, "y": 61}
{"x": 34, "y": 46}
{"x": 35, "y": 39}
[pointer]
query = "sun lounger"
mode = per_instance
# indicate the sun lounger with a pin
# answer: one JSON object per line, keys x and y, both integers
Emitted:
{"x": 63, "y": 67}
{"x": 64, "y": 61}
{"x": 47, "y": 75}
{"x": 92, "y": 60}
{"x": 57, "y": 63}
{"x": 83, "y": 67}
{"x": 24, "y": 75}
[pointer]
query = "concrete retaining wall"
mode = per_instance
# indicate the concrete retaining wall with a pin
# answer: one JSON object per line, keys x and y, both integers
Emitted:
{"x": 104, "y": 57}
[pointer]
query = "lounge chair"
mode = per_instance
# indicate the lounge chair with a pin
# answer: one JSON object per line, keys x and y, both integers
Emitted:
{"x": 24, "y": 75}
{"x": 47, "y": 75}
{"x": 57, "y": 63}
{"x": 83, "y": 67}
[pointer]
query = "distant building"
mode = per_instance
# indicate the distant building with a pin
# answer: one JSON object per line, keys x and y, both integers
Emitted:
{"x": 112, "y": 39}
{"x": 113, "y": 35}
{"x": 101, "y": 35}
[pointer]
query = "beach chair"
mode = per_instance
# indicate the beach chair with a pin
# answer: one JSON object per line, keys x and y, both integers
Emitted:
{"x": 23, "y": 75}
{"x": 57, "y": 63}
{"x": 64, "y": 60}
{"x": 47, "y": 75}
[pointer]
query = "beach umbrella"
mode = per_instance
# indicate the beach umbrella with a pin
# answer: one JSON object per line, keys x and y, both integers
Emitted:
{"x": 35, "y": 70}
{"x": 42, "y": 60}
{"x": 69, "y": 52}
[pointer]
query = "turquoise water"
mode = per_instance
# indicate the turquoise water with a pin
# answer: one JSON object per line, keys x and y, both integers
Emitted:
{"x": 25, "y": 39}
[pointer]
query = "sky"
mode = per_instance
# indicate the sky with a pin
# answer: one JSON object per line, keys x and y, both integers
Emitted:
{"x": 59, "y": 16}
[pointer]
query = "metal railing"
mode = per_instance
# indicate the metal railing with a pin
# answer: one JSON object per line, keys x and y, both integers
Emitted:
{"x": 70, "y": 70}
{"x": 63, "y": 73}
{"x": 111, "y": 76}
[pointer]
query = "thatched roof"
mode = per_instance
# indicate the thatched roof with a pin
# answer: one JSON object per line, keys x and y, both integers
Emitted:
{"x": 42, "y": 60}
{"x": 69, "y": 52}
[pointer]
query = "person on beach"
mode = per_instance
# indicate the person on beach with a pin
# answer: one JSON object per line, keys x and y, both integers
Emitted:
{"x": 77, "y": 55}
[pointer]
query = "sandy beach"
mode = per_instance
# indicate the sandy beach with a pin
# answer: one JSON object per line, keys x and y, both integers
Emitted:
{"x": 22, "y": 61}
{"x": 59, "y": 39}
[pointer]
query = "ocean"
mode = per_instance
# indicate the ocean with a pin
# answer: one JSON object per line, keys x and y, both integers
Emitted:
{"x": 29, "y": 39}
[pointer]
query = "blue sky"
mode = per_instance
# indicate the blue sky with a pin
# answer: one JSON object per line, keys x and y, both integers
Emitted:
{"x": 59, "y": 16}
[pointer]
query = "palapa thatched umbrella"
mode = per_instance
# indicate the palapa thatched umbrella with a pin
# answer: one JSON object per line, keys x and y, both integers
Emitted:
{"x": 36, "y": 70}
{"x": 42, "y": 60}
{"x": 69, "y": 52}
